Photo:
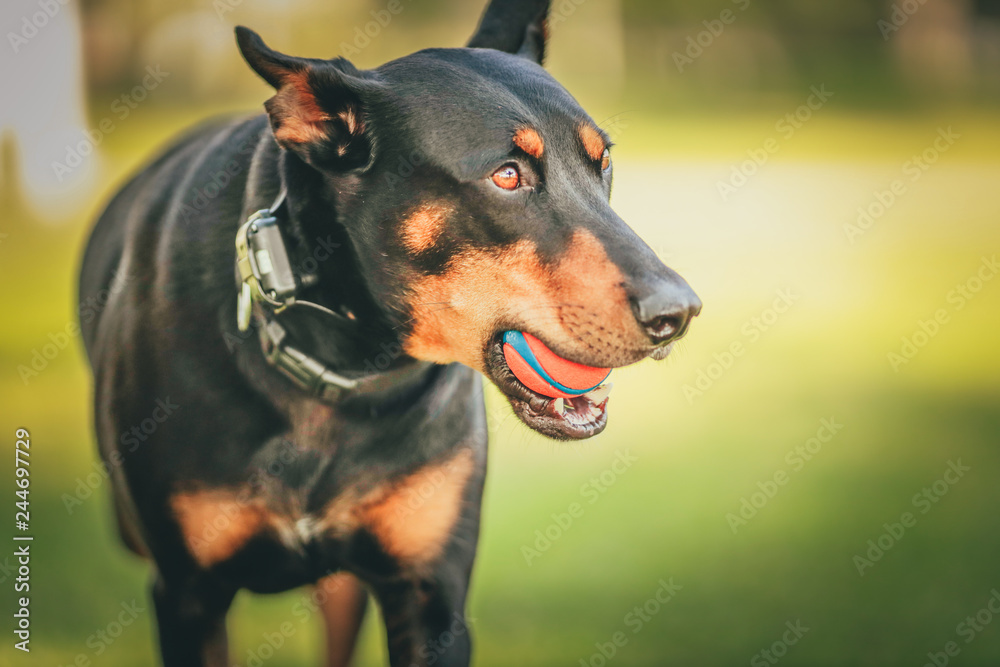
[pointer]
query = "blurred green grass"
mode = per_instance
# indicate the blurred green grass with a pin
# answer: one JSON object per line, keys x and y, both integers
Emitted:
{"x": 665, "y": 517}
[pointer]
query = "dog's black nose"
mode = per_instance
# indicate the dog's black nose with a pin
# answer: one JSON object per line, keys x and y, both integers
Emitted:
{"x": 664, "y": 307}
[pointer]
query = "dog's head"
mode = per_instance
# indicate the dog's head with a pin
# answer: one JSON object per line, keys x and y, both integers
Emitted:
{"x": 474, "y": 190}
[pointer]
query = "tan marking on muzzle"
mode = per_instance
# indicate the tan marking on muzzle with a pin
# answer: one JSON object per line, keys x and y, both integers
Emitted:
{"x": 529, "y": 141}
{"x": 578, "y": 304}
{"x": 421, "y": 228}
{"x": 592, "y": 141}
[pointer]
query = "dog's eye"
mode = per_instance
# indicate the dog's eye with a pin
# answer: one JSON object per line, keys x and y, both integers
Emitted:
{"x": 606, "y": 160}
{"x": 507, "y": 177}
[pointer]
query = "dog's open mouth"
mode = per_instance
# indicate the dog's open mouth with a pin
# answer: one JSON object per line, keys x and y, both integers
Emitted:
{"x": 571, "y": 418}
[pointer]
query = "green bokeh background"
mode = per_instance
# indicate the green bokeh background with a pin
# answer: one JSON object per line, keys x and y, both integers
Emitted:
{"x": 696, "y": 456}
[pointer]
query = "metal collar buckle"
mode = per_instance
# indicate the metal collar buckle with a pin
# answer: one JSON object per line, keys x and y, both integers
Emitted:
{"x": 308, "y": 373}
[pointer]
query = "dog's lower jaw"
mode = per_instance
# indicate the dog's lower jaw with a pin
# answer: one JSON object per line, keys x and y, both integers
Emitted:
{"x": 576, "y": 418}
{"x": 583, "y": 420}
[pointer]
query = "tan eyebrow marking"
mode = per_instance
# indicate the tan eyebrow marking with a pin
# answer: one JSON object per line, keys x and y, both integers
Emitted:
{"x": 529, "y": 141}
{"x": 592, "y": 141}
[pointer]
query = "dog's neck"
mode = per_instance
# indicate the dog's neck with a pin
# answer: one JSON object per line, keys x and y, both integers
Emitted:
{"x": 359, "y": 343}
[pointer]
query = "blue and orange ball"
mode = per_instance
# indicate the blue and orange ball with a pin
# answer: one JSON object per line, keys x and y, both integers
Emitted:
{"x": 544, "y": 372}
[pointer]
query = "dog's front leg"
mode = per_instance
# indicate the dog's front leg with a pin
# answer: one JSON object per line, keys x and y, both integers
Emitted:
{"x": 425, "y": 620}
{"x": 191, "y": 620}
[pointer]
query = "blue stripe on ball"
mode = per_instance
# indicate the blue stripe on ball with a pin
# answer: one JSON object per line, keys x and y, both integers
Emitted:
{"x": 516, "y": 340}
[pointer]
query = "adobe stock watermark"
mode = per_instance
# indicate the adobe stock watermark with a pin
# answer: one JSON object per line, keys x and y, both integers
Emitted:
{"x": 308, "y": 605}
{"x": 796, "y": 460}
{"x": 751, "y": 330}
{"x": 121, "y": 108}
{"x": 32, "y": 24}
{"x": 432, "y": 649}
{"x": 416, "y": 497}
{"x": 912, "y": 171}
{"x": 900, "y": 14}
{"x": 219, "y": 181}
{"x": 223, "y": 7}
{"x": 302, "y": 610}
{"x": 773, "y": 654}
{"x": 560, "y": 12}
{"x": 57, "y": 341}
{"x": 131, "y": 440}
{"x": 363, "y": 35}
{"x": 592, "y": 490}
{"x": 7, "y": 569}
{"x": 407, "y": 165}
{"x": 958, "y": 298}
{"x": 924, "y": 501}
{"x": 969, "y": 628}
{"x": 698, "y": 43}
{"x": 322, "y": 251}
{"x": 390, "y": 351}
{"x": 786, "y": 127}
{"x": 102, "y": 638}
{"x": 635, "y": 620}
{"x": 271, "y": 644}
{"x": 228, "y": 516}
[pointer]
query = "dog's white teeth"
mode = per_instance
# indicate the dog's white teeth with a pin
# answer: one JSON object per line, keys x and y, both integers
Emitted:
{"x": 560, "y": 406}
{"x": 600, "y": 394}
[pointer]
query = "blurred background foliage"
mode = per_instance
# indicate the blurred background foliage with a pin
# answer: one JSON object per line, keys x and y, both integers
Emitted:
{"x": 681, "y": 131}
{"x": 931, "y": 50}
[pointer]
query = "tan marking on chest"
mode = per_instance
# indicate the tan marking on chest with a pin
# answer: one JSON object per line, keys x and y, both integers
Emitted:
{"x": 412, "y": 517}
{"x": 414, "y": 520}
{"x": 217, "y": 523}
{"x": 421, "y": 229}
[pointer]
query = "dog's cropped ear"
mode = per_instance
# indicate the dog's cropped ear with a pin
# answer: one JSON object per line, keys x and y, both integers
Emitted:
{"x": 514, "y": 26}
{"x": 318, "y": 111}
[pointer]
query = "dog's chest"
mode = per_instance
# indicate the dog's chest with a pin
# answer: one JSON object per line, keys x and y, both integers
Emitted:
{"x": 408, "y": 517}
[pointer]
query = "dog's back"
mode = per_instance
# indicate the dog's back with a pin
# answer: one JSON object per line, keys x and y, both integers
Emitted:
{"x": 168, "y": 192}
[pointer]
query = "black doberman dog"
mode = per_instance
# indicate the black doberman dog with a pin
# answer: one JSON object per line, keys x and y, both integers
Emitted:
{"x": 285, "y": 373}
